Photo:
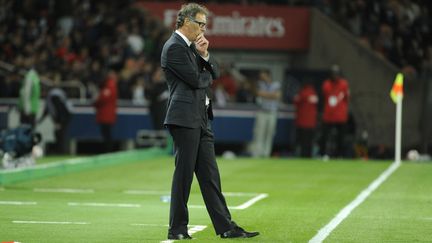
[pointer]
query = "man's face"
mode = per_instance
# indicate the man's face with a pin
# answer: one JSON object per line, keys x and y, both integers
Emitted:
{"x": 197, "y": 25}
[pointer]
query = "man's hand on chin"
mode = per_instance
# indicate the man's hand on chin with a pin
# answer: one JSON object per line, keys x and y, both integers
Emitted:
{"x": 202, "y": 44}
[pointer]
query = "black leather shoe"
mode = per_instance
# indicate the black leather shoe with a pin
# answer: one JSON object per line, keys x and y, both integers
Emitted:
{"x": 184, "y": 236}
{"x": 238, "y": 232}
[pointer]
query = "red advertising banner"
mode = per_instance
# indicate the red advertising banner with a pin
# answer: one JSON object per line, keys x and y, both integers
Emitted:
{"x": 232, "y": 26}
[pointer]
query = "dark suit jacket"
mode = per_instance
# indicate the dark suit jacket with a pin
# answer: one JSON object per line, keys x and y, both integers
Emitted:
{"x": 189, "y": 78}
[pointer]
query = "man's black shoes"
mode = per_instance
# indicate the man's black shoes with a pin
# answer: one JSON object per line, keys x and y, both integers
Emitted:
{"x": 238, "y": 232}
{"x": 184, "y": 236}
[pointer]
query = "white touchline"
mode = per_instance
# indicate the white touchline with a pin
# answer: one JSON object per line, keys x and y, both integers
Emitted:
{"x": 46, "y": 222}
{"x": 251, "y": 201}
{"x": 242, "y": 206}
{"x": 326, "y": 230}
{"x": 194, "y": 229}
{"x": 17, "y": 203}
{"x": 63, "y": 190}
{"x": 92, "y": 204}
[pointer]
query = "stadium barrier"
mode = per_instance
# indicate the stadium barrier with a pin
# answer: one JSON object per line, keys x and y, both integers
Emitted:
{"x": 232, "y": 124}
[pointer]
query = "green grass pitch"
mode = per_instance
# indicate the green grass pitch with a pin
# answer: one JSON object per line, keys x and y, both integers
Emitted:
{"x": 122, "y": 203}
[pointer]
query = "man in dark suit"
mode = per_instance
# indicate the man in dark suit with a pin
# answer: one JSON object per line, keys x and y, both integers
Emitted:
{"x": 189, "y": 71}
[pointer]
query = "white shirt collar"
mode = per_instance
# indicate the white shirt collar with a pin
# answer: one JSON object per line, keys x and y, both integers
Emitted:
{"x": 188, "y": 42}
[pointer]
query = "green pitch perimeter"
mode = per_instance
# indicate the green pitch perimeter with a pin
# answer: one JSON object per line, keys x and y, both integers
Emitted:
{"x": 122, "y": 202}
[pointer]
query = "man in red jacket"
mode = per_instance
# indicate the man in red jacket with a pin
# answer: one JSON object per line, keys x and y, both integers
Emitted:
{"x": 335, "y": 92}
{"x": 106, "y": 108}
{"x": 306, "y": 102}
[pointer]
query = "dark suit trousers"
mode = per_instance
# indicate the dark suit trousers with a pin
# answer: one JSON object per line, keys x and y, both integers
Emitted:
{"x": 194, "y": 152}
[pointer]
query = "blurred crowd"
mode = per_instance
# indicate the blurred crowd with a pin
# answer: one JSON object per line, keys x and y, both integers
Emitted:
{"x": 398, "y": 30}
{"x": 81, "y": 41}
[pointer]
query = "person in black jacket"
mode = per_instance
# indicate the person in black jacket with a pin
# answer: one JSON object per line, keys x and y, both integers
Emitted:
{"x": 189, "y": 70}
{"x": 59, "y": 108}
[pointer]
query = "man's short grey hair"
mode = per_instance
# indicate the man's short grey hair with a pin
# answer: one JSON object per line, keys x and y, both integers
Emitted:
{"x": 189, "y": 10}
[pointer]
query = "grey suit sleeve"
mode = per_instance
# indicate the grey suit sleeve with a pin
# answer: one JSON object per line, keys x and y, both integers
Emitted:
{"x": 179, "y": 63}
{"x": 211, "y": 66}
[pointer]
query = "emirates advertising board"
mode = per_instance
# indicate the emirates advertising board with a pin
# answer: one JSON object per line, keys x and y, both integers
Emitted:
{"x": 232, "y": 26}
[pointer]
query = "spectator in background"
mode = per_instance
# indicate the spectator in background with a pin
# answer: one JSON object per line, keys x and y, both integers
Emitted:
{"x": 244, "y": 93}
{"x": 94, "y": 76}
{"x": 138, "y": 92}
{"x": 157, "y": 93}
{"x": 59, "y": 108}
{"x": 126, "y": 86}
{"x": 29, "y": 97}
{"x": 268, "y": 96}
{"x": 220, "y": 95}
{"x": 6, "y": 89}
{"x": 106, "y": 106}
{"x": 226, "y": 82}
{"x": 306, "y": 103}
{"x": 335, "y": 92}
